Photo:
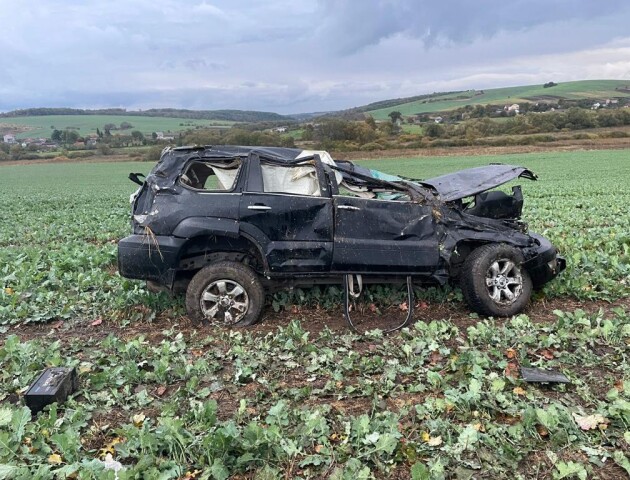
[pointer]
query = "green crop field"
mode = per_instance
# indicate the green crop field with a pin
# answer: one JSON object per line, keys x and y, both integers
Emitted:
{"x": 42, "y": 126}
{"x": 161, "y": 398}
{"x": 416, "y": 129}
{"x": 595, "y": 89}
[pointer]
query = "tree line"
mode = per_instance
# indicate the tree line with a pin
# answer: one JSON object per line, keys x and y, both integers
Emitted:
{"x": 573, "y": 119}
{"x": 222, "y": 115}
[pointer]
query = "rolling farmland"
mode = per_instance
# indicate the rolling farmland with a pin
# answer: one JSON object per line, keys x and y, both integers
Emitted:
{"x": 43, "y": 126}
{"x": 299, "y": 395}
{"x": 591, "y": 89}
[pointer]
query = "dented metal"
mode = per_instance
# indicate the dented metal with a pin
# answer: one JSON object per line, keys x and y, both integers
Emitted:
{"x": 343, "y": 219}
{"x": 465, "y": 183}
{"x": 541, "y": 375}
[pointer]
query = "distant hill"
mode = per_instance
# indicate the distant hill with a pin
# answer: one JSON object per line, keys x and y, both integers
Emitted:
{"x": 305, "y": 117}
{"x": 440, "y": 102}
{"x": 223, "y": 115}
{"x": 392, "y": 104}
{"x": 42, "y": 126}
{"x": 426, "y": 103}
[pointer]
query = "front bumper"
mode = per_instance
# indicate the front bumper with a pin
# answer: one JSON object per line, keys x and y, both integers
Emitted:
{"x": 154, "y": 258}
{"x": 546, "y": 264}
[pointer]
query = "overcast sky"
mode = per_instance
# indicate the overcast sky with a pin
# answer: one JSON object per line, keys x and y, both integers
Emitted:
{"x": 292, "y": 56}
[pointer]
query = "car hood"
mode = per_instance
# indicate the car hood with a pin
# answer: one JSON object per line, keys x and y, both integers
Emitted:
{"x": 471, "y": 181}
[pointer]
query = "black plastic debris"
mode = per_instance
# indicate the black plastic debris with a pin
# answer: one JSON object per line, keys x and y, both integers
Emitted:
{"x": 53, "y": 385}
{"x": 540, "y": 375}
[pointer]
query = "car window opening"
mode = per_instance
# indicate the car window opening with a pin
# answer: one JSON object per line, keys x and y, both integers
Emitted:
{"x": 298, "y": 179}
{"x": 212, "y": 176}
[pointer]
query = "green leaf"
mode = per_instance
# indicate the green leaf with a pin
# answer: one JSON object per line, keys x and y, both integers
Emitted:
{"x": 569, "y": 470}
{"x": 218, "y": 470}
{"x": 387, "y": 443}
{"x": 5, "y": 416}
{"x": 420, "y": 472}
{"x": 372, "y": 438}
{"x": 18, "y": 421}
{"x": 468, "y": 437}
{"x": 314, "y": 460}
{"x": 289, "y": 447}
{"x": 434, "y": 378}
{"x": 474, "y": 389}
{"x": 621, "y": 460}
{"x": 7, "y": 471}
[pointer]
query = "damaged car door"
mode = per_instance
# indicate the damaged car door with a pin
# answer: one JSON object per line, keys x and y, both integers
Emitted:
{"x": 287, "y": 208}
{"x": 383, "y": 236}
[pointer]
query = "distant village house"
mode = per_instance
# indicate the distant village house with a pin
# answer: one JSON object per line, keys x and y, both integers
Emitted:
{"x": 161, "y": 136}
{"x": 9, "y": 138}
{"x": 514, "y": 108}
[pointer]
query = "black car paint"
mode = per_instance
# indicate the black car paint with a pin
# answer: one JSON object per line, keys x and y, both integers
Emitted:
{"x": 381, "y": 236}
{"x": 301, "y": 236}
{"x": 465, "y": 183}
{"x": 280, "y": 219}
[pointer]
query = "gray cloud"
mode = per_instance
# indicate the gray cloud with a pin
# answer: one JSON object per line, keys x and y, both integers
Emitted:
{"x": 291, "y": 56}
{"x": 354, "y": 25}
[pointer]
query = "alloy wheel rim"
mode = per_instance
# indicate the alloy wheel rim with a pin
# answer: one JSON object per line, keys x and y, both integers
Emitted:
{"x": 504, "y": 281}
{"x": 225, "y": 301}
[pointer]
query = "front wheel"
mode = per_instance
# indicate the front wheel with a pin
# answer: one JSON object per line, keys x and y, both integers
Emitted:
{"x": 493, "y": 281}
{"x": 228, "y": 293}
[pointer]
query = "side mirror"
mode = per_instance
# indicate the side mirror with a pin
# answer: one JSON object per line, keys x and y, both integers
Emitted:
{"x": 135, "y": 178}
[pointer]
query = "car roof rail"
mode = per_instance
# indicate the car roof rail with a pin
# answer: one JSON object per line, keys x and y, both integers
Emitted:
{"x": 192, "y": 147}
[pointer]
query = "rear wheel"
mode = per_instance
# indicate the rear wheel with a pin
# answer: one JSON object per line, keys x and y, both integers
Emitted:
{"x": 226, "y": 293}
{"x": 493, "y": 281}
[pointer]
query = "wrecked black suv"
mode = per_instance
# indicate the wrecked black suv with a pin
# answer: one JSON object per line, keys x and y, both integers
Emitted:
{"x": 225, "y": 224}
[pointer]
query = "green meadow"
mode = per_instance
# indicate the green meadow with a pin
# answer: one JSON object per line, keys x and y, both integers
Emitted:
{"x": 43, "y": 126}
{"x": 595, "y": 89}
{"x": 290, "y": 398}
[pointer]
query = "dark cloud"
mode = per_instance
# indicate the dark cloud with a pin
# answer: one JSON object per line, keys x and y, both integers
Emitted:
{"x": 353, "y": 25}
{"x": 291, "y": 56}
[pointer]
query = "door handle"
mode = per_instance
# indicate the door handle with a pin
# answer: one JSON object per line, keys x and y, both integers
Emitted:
{"x": 348, "y": 207}
{"x": 258, "y": 207}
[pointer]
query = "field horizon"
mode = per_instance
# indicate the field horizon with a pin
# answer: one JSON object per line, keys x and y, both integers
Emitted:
{"x": 299, "y": 395}
{"x": 43, "y": 126}
{"x": 427, "y": 103}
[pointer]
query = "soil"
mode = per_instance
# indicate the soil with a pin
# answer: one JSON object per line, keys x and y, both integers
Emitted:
{"x": 314, "y": 320}
{"x": 565, "y": 145}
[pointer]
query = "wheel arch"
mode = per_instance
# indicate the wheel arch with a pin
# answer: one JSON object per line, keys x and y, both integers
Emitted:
{"x": 464, "y": 246}
{"x": 200, "y": 250}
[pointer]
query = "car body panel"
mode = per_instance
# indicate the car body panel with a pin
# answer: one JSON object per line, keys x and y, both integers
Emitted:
{"x": 197, "y": 226}
{"x": 389, "y": 226}
{"x": 155, "y": 258}
{"x": 465, "y": 183}
{"x": 374, "y": 235}
{"x": 298, "y": 229}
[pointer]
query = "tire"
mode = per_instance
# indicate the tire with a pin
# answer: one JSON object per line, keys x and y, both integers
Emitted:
{"x": 225, "y": 293}
{"x": 491, "y": 275}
